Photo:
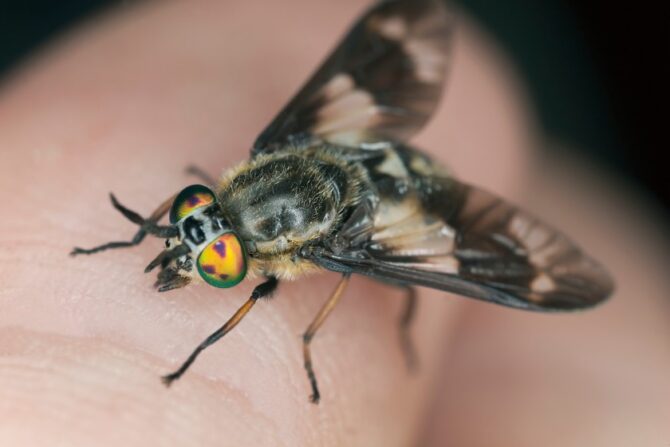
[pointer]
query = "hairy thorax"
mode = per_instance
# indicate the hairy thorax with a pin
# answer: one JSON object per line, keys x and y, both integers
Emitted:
{"x": 279, "y": 202}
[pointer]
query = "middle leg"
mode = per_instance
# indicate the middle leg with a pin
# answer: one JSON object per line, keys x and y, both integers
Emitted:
{"x": 311, "y": 331}
{"x": 201, "y": 174}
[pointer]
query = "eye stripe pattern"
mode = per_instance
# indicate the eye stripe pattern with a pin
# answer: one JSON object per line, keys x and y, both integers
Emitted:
{"x": 189, "y": 200}
{"x": 223, "y": 262}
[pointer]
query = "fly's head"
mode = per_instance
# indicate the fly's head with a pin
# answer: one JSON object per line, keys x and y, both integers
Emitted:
{"x": 205, "y": 246}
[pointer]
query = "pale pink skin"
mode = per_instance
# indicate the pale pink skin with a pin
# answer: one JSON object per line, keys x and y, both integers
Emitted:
{"x": 128, "y": 101}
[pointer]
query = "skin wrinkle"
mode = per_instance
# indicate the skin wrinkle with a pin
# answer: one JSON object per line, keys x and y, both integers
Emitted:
{"x": 94, "y": 380}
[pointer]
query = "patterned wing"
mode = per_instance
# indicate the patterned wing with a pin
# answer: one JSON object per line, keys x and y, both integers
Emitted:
{"x": 469, "y": 242}
{"x": 381, "y": 83}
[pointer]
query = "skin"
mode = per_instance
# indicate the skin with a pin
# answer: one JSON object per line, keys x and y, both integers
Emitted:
{"x": 127, "y": 101}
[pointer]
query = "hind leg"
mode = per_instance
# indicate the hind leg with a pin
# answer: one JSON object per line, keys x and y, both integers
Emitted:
{"x": 404, "y": 326}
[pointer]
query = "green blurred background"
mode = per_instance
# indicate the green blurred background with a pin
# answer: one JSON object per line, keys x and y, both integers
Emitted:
{"x": 597, "y": 73}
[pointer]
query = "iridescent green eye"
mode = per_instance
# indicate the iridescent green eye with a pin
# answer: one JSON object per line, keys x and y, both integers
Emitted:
{"x": 223, "y": 263}
{"x": 190, "y": 199}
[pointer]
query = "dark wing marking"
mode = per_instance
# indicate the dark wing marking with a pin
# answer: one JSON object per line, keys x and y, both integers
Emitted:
{"x": 381, "y": 83}
{"x": 478, "y": 246}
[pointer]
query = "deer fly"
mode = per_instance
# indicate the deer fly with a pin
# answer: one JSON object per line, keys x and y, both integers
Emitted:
{"x": 332, "y": 184}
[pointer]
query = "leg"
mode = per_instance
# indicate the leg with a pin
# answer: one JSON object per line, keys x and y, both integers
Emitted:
{"x": 261, "y": 290}
{"x": 201, "y": 174}
{"x": 139, "y": 236}
{"x": 404, "y": 325}
{"x": 311, "y": 330}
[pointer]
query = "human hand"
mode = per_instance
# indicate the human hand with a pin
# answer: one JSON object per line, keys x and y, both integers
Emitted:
{"x": 127, "y": 102}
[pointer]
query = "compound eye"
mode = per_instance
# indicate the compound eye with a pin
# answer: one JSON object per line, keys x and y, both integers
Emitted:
{"x": 223, "y": 263}
{"x": 190, "y": 199}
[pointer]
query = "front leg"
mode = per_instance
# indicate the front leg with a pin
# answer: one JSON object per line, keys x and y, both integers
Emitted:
{"x": 147, "y": 225}
{"x": 262, "y": 290}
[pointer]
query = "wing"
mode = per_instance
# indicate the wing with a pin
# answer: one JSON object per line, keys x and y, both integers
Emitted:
{"x": 460, "y": 239}
{"x": 381, "y": 83}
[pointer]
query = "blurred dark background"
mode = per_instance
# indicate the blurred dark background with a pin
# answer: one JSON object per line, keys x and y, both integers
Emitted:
{"x": 598, "y": 73}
